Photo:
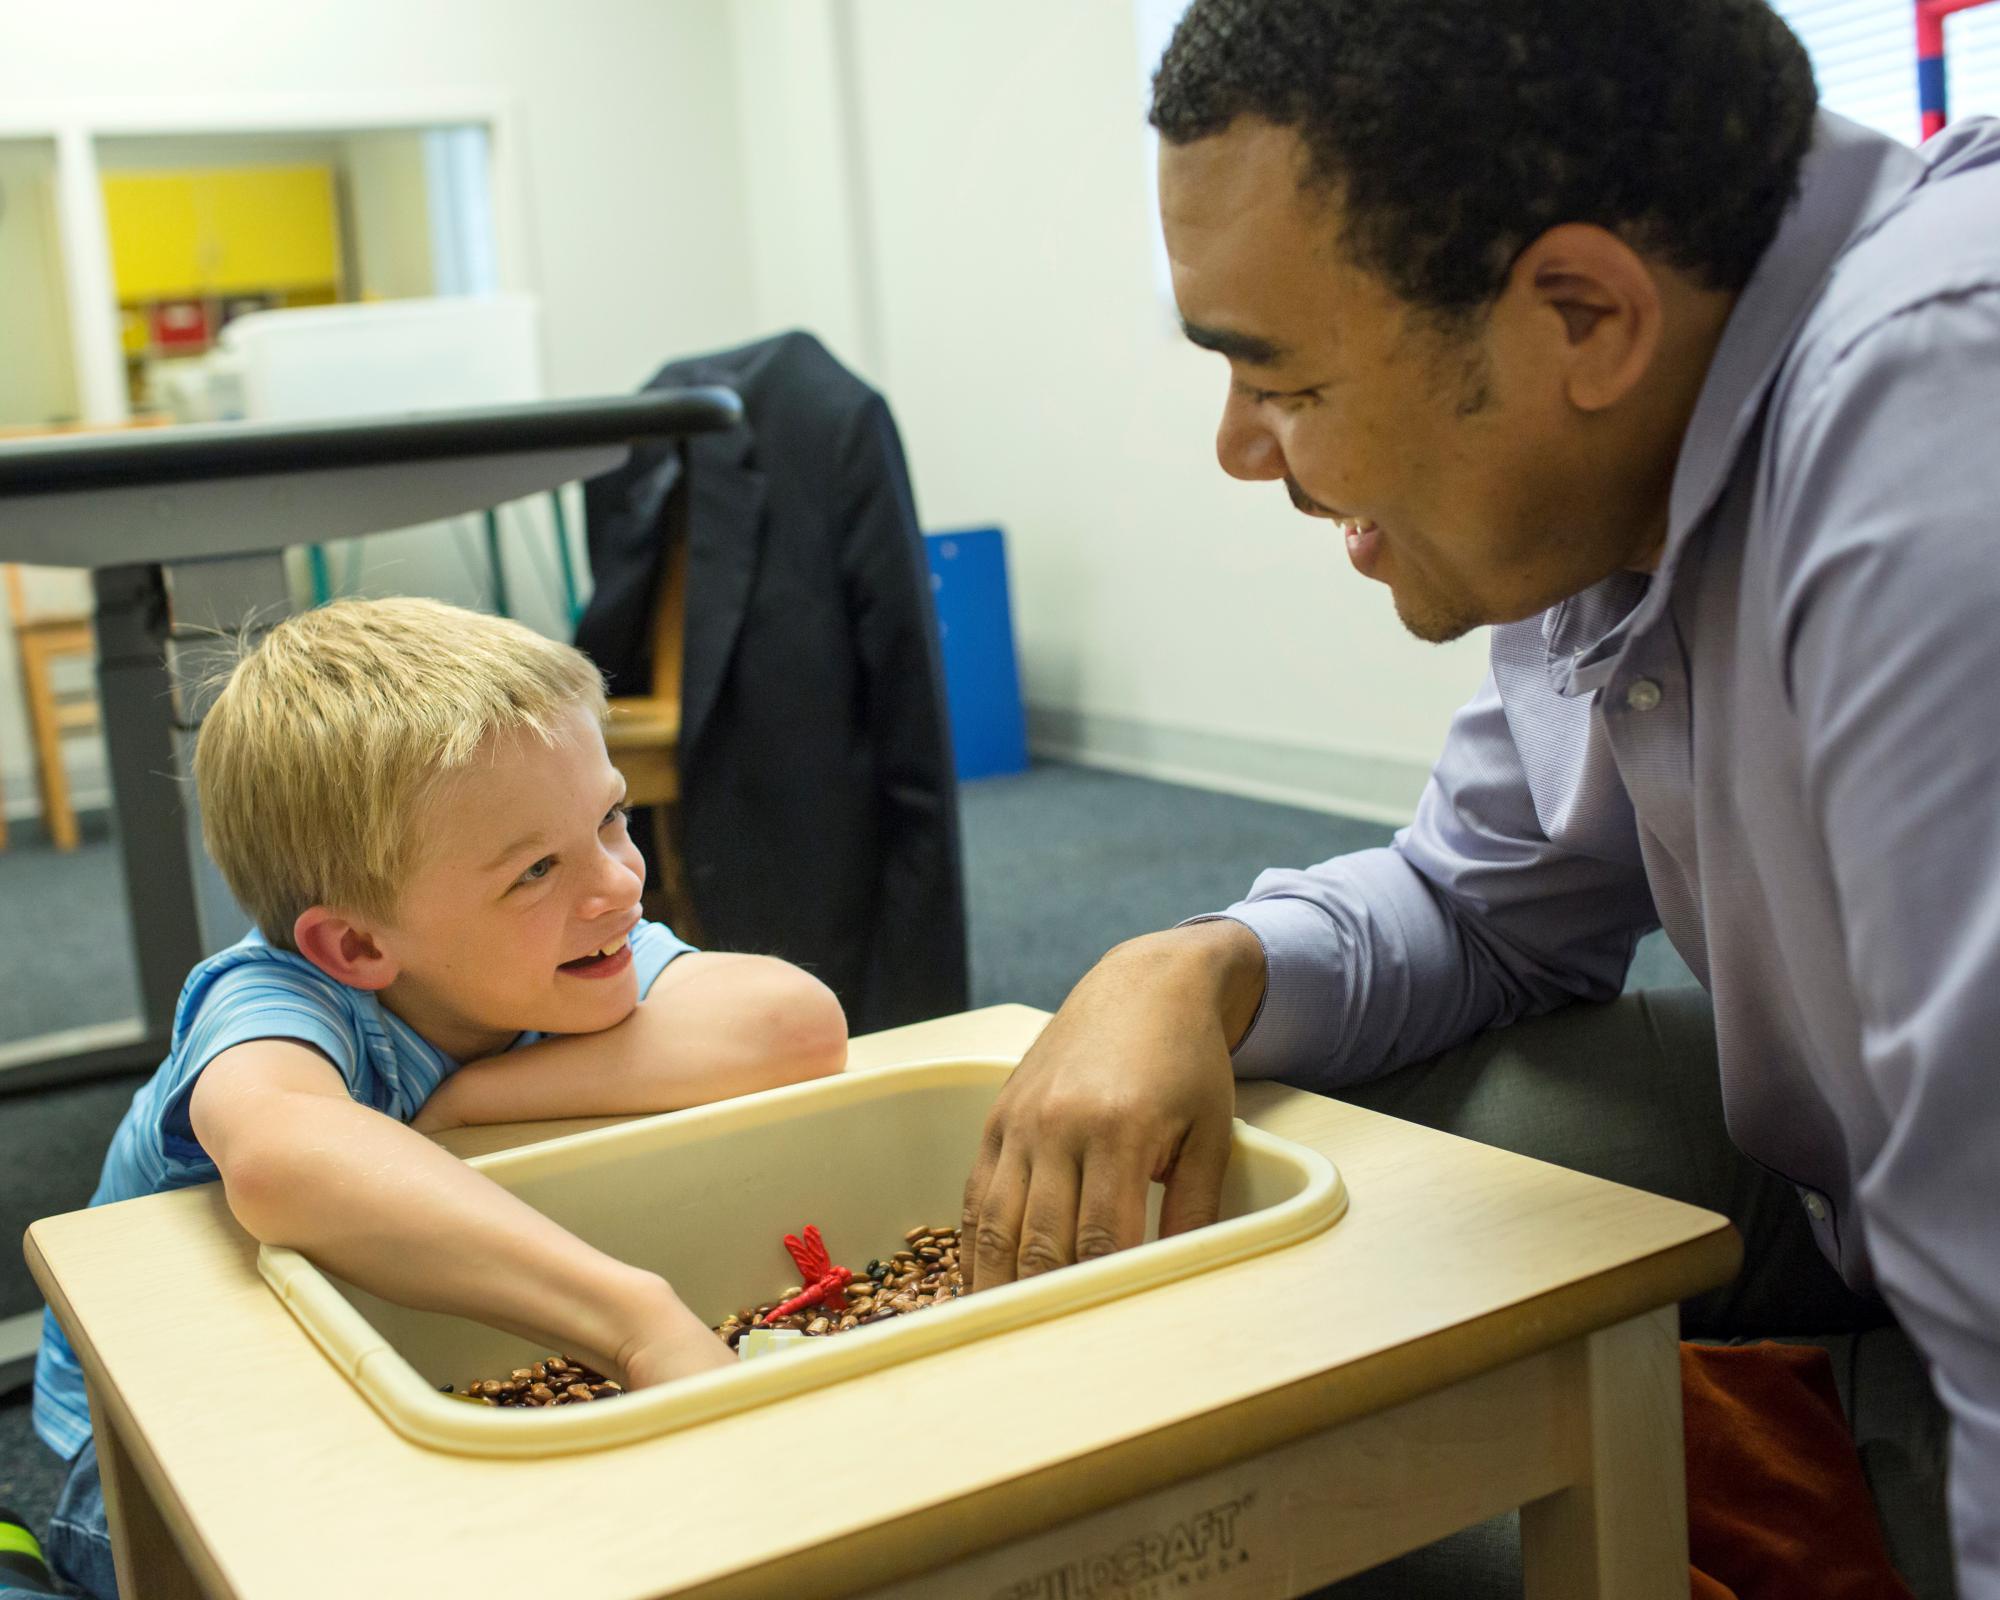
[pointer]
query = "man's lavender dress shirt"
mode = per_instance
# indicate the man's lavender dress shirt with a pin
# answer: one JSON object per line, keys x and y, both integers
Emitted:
{"x": 1784, "y": 747}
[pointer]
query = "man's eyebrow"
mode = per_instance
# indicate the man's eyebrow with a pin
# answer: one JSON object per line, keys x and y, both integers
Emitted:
{"x": 1249, "y": 348}
{"x": 533, "y": 841}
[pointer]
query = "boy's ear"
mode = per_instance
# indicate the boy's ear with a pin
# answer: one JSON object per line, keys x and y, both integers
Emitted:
{"x": 343, "y": 949}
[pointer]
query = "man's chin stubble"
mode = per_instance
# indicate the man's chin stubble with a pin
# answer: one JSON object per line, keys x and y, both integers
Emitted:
{"x": 1432, "y": 624}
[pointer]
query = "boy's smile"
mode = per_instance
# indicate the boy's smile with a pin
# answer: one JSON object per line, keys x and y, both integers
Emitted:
{"x": 527, "y": 889}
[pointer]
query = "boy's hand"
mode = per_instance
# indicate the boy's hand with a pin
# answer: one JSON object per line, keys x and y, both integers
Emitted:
{"x": 304, "y": 1165}
{"x": 713, "y": 1026}
{"x": 678, "y": 1345}
{"x": 436, "y": 1114}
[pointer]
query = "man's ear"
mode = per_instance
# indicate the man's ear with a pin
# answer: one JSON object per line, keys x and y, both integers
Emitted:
{"x": 1595, "y": 309}
{"x": 345, "y": 950}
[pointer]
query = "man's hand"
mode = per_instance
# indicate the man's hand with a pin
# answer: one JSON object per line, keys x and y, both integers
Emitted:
{"x": 1130, "y": 1084}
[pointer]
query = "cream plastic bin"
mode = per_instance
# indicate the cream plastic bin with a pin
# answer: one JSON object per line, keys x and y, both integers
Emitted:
{"x": 705, "y": 1198}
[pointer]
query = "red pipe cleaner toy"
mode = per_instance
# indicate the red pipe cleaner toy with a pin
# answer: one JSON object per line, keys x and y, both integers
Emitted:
{"x": 823, "y": 1279}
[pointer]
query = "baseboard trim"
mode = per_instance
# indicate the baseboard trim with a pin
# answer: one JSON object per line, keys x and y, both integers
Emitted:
{"x": 1348, "y": 783}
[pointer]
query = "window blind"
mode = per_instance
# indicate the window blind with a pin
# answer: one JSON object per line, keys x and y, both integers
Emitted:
{"x": 1864, "y": 54}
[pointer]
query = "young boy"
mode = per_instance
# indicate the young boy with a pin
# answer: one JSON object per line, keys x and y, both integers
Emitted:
{"x": 414, "y": 804}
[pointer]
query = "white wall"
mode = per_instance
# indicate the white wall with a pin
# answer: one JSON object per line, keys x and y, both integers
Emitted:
{"x": 955, "y": 197}
{"x": 36, "y": 386}
{"x": 806, "y": 189}
{"x": 634, "y": 223}
{"x": 636, "y": 232}
{"x": 388, "y": 201}
{"x": 1169, "y": 619}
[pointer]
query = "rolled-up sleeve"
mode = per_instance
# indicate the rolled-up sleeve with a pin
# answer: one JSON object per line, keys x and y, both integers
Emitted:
{"x": 1894, "y": 673}
{"x": 1471, "y": 918}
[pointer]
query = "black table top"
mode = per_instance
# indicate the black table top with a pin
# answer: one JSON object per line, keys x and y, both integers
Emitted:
{"x": 81, "y": 462}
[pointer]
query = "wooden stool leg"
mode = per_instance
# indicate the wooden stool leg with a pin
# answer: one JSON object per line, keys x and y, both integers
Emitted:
{"x": 1619, "y": 1532}
{"x": 149, "y": 1562}
{"x": 57, "y": 814}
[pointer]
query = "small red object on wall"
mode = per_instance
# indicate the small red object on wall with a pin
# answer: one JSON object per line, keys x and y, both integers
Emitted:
{"x": 181, "y": 326}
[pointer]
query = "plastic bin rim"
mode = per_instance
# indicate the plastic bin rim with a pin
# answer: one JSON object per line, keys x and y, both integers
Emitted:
{"x": 400, "y": 1394}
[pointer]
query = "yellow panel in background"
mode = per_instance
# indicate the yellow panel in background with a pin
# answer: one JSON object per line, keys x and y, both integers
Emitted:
{"x": 154, "y": 222}
{"x": 227, "y": 230}
{"x": 273, "y": 228}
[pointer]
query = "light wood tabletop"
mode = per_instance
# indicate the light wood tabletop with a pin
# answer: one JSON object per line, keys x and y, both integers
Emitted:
{"x": 1480, "y": 1331}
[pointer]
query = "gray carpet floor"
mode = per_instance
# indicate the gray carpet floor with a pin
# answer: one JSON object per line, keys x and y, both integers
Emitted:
{"x": 1061, "y": 864}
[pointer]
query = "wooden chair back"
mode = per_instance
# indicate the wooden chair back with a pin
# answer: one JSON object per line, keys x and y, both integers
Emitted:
{"x": 45, "y": 632}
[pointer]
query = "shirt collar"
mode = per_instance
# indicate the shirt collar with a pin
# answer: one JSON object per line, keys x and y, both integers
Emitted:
{"x": 1851, "y": 177}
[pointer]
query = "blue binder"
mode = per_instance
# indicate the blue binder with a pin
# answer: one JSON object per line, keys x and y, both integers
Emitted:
{"x": 976, "y": 630}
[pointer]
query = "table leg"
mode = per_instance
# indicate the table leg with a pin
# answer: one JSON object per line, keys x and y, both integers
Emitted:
{"x": 150, "y": 1565}
{"x": 1619, "y": 1532}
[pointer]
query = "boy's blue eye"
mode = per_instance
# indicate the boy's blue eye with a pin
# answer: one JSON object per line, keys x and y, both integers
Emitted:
{"x": 542, "y": 868}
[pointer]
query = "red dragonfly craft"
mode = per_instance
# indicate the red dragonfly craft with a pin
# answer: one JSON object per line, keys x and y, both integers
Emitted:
{"x": 825, "y": 1284}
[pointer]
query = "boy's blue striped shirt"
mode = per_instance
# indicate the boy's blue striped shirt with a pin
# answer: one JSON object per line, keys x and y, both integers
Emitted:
{"x": 254, "y": 991}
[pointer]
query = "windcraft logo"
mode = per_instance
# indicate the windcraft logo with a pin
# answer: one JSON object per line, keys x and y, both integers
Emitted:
{"x": 1175, "y": 1560}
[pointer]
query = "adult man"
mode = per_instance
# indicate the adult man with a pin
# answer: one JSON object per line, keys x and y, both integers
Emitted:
{"x": 1586, "y": 325}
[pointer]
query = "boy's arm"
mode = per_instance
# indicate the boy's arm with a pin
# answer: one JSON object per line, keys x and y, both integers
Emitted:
{"x": 712, "y": 1027}
{"x": 363, "y": 1196}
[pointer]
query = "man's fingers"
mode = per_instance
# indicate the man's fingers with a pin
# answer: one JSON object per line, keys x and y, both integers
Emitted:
{"x": 991, "y": 1141}
{"x": 990, "y": 1239}
{"x": 1111, "y": 1212}
{"x": 1194, "y": 1186}
{"x": 1048, "y": 1223}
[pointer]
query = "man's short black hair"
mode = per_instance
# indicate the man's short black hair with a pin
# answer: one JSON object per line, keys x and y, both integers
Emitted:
{"x": 1455, "y": 132}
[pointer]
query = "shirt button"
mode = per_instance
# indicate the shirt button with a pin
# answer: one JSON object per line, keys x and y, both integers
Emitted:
{"x": 1816, "y": 1207}
{"x": 1643, "y": 695}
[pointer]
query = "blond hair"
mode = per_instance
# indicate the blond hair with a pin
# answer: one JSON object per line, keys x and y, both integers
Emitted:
{"x": 318, "y": 758}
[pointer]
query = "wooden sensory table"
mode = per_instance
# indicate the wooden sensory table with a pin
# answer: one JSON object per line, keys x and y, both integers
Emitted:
{"x": 1479, "y": 1332}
